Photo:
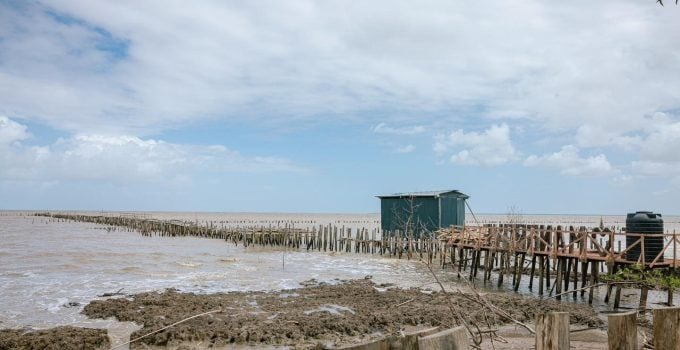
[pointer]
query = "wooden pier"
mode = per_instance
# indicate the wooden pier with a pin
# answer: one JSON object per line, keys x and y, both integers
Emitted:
{"x": 557, "y": 261}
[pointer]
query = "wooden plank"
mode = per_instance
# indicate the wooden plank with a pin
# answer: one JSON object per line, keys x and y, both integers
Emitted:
{"x": 450, "y": 339}
{"x": 622, "y": 332}
{"x": 667, "y": 328}
{"x": 552, "y": 331}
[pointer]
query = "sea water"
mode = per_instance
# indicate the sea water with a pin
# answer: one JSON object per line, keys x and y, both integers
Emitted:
{"x": 50, "y": 269}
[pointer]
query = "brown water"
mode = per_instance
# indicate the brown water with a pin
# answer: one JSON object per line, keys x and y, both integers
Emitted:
{"x": 45, "y": 264}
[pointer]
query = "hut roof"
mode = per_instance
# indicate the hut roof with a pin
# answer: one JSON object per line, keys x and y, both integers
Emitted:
{"x": 434, "y": 194}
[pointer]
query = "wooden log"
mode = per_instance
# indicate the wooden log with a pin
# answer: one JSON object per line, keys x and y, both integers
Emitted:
{"x": 667, "y": 328}
{"x": 552, "y": 331}
{"x": 450, "y": 339}
{"x": 622, "y": 332}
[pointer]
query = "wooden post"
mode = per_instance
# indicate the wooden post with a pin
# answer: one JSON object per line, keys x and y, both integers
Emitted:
{"x": 475, "y": 254}
{"x": 669, "y": 302}
{"x": 643, "y": 299}
{"x": 533, "y": 270}
{"x": 450, "y": 339}
{"x": 593, "y": 280}
{"x": 552, "y": 331}
{"x": 617, "y": 297}
{"x": 609, "y": 292}
{"x": 584, "y": 275}
{"x": 410, "y": 341}
{"x": 667, "y": 328}
{"x": 521, "y": 271}
{"x": 501, "y": 272}
{"x": 622, "y": 332}
{"x": 558, "y": 279}
{"x": 541, "y": 270}
{"x": 573, "y": 294}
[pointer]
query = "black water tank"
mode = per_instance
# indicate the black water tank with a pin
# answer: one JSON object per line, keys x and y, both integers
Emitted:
{"x": 645, "y": 223}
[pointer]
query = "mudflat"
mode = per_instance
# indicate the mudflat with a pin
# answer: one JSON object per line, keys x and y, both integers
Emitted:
{"x": 58, "y": 338}
{"x": 316, "y": 315}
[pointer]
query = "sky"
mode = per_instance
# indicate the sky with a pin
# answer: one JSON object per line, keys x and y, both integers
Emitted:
{"x": 538, "y": 107}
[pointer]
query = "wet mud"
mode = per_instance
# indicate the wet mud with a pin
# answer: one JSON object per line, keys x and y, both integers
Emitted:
{"x": 313, "y": 316}
{"x": 58, "y": 338}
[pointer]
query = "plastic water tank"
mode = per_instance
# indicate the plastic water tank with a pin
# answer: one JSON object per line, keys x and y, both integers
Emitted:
{"x": 645, "y": 223}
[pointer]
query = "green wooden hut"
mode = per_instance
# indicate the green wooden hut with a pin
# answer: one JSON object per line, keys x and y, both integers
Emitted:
{"x": 419, "y": 212}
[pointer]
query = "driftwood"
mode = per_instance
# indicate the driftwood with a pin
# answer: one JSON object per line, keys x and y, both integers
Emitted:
{"x": 112, "y": 294}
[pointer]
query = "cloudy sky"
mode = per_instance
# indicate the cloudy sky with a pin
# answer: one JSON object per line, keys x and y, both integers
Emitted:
{"x": 318, "y": 106}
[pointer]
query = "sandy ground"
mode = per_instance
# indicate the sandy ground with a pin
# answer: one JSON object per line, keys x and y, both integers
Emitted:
{"x": 314, "y": 316}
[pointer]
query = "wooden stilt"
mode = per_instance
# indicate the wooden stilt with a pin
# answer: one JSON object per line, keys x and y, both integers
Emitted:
{"x": 541, "y": 270}
{"x": 558, "y": 279}
{"x": 533, "y": 270}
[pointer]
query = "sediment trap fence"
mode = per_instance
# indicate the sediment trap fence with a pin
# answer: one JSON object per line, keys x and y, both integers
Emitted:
{"x": 327, "y": 238}
{"x": 556, "y": 258}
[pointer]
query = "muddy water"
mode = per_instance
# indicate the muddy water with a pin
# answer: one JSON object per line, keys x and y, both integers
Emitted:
{"x": 49, "y": 270}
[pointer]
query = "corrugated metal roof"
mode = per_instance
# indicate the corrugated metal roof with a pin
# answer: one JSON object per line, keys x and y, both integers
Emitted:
{"x": 423, "y": 194}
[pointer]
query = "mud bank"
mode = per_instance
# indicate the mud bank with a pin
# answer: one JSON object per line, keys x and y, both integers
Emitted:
{"x": 59, "y": 338}
{"x": 314, "y": 316}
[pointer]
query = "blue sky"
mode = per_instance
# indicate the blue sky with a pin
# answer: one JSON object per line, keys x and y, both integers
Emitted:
{"x": 318, "y": 106}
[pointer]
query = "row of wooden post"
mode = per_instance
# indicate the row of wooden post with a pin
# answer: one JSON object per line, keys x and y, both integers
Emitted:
{"x": 552, "y": 333}
{"x": 322, "y": 238}
{"x": 552, "y": 330}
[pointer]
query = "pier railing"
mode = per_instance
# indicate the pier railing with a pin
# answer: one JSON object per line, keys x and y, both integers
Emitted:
{"x": 603, "y": 245}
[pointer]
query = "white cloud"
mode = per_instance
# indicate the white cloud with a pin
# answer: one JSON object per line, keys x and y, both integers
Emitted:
{"x": 383, "y": 128}
{"x": 662, "y": 144}
{"x": 589, "y": 136}
{"x": 309, "y": 59}
{"x": 569, "y": 162}
{"x": 659, "y": 151}
{"x": 405, "y": 149}
{"x": 123, "y": 159}
{"x": 489, "y": 148}
{"x": 11, "y": 131}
